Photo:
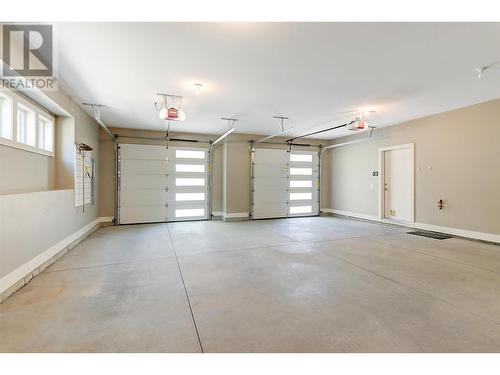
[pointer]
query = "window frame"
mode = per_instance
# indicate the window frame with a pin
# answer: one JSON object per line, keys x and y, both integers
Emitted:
{"x": 30, "y": 119}
{"x": 44, "y": 119}
{"x": 16, "y": 101}
{"x": 10, "y": 103}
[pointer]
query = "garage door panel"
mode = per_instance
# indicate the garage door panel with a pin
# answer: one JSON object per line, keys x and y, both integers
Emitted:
{"x": 143, "y": 197}
{"x": 268, "y": 182}
{"x": 270, "y": 170}
{"x": 264, "y": 156}
{"x": 138, "y": 166}
{"x": 284, "y": 184}
{"x": 278, "y": 210}
{"x": 270, "y": 196}
{"x": 143, "y": 152}
{"x": 153, "y": 189}
{"x": 143, "y": 181}
{"x": 143, "y": 214}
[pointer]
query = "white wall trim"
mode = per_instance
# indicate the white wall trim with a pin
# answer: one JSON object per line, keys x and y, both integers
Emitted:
{"x": 29, "y": 267}
{"x": 106, "y": 219}
{"x": 216, "y": 213}
{"x": 460, "y": 232}
{"x": 350, "y": 214}
{"x": 235, "y": 215}
{"x": 433, "y": 228}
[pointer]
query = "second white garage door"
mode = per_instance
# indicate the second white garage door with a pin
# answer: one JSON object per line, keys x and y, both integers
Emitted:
{"x": 284, "y": 184}
{"x": 157, "y": 184}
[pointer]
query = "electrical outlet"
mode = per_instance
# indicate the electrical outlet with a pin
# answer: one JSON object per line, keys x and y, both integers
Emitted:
{"x": 393, "y": 212}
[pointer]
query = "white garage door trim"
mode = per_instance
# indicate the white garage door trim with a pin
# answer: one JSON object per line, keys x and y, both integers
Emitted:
{"x": 156, "y": 184}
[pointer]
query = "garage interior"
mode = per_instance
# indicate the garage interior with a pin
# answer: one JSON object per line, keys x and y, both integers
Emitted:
{"x": 268, "y": 187}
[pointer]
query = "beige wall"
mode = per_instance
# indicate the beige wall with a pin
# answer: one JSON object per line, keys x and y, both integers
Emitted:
{"x": 230, "y": 173}
{"x": 462, "y": 147}
{"x": 24, "y": 171}
{"x": 34, "y": 218}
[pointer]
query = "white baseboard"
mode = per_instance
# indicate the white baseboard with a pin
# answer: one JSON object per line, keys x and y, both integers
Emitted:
{"x": 106, "y": 219}
{"x": 23, "y": 274}
{"x": 460, "y": 232}
{"x": 350, "y": 214}
{"x": 235, "y": 215}
{"x": 434, "y": 228}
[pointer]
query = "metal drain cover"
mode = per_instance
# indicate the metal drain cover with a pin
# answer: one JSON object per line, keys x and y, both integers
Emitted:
{"x": 436, "y": 236}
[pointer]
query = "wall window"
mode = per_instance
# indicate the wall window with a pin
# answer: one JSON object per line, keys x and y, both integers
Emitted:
{"x": 45, "y": 134}
{"x": 6, "y": 125}
{"x": 26, "y": 126}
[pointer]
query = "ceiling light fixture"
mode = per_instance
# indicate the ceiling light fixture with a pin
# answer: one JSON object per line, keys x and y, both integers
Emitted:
{"x": 197, "y": 88}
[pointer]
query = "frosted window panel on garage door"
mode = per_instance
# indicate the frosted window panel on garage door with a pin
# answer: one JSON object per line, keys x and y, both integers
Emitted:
{"x": 301, "y": 157}
{"x": 300, "y": 183}
{"x": 189, "y": 212}
{"x": 186, "y": 197}
{"x": 296, "y": 210}
{"x": 190, "y": 168}
{"x": 189, "y": 182}
{"x": 300, "y": 196}
{"x": 294, "y": 171}
{"x": 189, "y": 154}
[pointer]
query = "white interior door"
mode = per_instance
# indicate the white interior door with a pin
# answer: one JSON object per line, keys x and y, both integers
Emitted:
{"x": 157, "y": 184}
{"x": 398, "y": 179}
{"x": 284, "y": 183}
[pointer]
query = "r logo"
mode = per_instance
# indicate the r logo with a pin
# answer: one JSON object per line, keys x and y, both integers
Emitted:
{"x": 27, "y": 50}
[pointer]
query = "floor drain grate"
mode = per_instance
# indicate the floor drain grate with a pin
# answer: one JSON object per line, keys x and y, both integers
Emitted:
{"x": 436, "y": 236}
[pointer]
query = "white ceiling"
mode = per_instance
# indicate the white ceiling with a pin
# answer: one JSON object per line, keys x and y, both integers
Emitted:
{"x": 252, "y": 71}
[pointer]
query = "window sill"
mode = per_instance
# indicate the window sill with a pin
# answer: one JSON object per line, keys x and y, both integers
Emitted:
{"x": 21, "y": 146}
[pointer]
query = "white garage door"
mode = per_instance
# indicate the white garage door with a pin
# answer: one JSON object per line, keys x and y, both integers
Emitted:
{"x": 284, "y": 184}
{"x": 157, "y": 184}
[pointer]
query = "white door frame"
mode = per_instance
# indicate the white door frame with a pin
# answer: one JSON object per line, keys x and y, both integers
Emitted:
{"x": 381, "y": 179}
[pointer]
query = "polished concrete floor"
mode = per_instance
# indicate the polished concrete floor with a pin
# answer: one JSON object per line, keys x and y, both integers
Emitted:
{"x": 294, "y": 285}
